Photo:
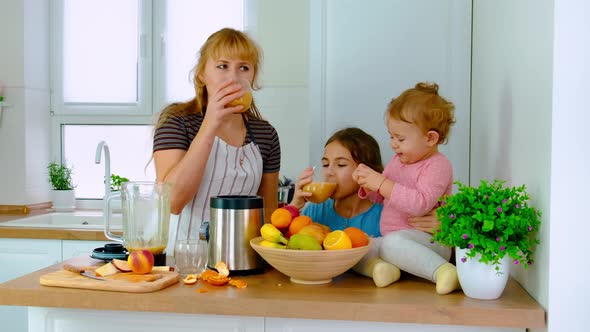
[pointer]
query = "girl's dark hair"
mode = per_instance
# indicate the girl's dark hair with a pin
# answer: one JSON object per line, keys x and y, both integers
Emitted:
{"x": 362, "y": 146}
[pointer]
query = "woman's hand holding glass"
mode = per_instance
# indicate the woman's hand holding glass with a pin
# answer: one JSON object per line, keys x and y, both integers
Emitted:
{"x": 218, "y": 105}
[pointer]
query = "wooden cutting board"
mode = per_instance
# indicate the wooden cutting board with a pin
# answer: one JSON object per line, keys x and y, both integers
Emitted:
{"x": 120, "y": 282}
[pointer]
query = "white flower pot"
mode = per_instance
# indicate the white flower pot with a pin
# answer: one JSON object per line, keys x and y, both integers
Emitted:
{"x": 479, "y": 280}
{"x": 63, "y": 200}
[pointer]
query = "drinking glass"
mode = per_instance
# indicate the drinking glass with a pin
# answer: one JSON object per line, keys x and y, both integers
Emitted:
{"x": 246, "y": 99}
{"x": 190, "y": 256}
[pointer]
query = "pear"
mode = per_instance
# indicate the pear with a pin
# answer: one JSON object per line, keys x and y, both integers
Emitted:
{"x": 303, "y": 242}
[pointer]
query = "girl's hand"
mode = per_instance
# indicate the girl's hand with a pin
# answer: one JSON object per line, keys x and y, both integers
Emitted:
{"x": 299, "y": 197}
{"x": 427, "y": 223}
{"x": 217, "y": 110}
{"x": 368, "y": 178}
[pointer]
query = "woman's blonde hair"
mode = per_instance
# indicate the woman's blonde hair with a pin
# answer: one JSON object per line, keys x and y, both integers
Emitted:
{"x": 228, "y": 43}
{"x": 423, "y": 107}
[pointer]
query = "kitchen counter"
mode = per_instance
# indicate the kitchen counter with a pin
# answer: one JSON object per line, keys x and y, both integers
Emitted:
{"x": 349, "y": 297}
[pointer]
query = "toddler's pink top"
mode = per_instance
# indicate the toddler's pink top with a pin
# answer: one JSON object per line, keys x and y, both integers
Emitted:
{"x": 415, "y": 192}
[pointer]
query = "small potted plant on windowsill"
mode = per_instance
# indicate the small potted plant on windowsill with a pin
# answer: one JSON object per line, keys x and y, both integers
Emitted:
{"x": 117, "y": 181}
{"x": 63, "y": 194}
{"x": 490, "y": 224}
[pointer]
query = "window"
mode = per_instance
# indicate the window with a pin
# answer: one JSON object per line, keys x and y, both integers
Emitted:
{"x": 115, "y": 64}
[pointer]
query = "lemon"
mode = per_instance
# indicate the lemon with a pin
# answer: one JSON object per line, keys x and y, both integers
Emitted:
{"x": 337, "y": 240}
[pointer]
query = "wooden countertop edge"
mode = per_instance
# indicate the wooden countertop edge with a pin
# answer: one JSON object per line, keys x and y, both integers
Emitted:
{"x": 411, "y": 314}
{"x": 351, "y": 297}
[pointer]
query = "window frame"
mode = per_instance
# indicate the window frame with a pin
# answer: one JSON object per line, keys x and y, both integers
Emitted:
{"x": 151, "y": 71}
{"x": 143, "y": 106}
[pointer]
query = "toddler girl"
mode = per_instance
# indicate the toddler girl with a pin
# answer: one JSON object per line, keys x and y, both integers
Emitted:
{"x": 413, "y": 180}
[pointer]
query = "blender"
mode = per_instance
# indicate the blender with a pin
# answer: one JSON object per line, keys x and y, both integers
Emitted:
{"x": 145, "y": 208}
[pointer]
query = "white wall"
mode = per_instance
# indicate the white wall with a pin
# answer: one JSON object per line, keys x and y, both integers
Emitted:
{"x": 366, "y": 53}
{"x": 529, "y": 123}
{"x": 569, "y": 287}
{"x": 511, "y": 110}
{"x": 24, "y": 127}
{"x": 283, "y": 33}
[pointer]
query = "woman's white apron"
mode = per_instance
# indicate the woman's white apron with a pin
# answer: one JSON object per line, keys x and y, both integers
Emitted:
{"x": 230, "y": 170}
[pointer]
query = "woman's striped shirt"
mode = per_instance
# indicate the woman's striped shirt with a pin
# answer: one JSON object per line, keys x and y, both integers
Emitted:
{"x": 179, "y": 131}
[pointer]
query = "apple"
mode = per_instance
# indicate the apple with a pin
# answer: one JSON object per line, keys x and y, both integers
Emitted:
{"x": 141, "y": 261}
{"x": 164, "y": 268}
{"x": 294, "y": 211}
{"x": 106, "y": 270}
{"x": 121, "y": 265}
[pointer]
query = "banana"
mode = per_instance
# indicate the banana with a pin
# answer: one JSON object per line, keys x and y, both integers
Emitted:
{"x": 269, "y": 244}
{"x": 270, "y": 233}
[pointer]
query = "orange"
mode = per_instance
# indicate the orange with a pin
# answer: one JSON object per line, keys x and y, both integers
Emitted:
{"x": 337, "y": 240}
{"x": 280, "y": 218}
{"x": 298, "y": 223}
{"x": 357, "y": 237}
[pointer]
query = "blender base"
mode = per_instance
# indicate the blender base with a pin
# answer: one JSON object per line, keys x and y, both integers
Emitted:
{"x": 160, "y": 259}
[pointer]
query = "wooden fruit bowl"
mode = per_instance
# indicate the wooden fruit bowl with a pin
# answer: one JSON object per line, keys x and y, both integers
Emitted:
{"x": 310, "y": 266}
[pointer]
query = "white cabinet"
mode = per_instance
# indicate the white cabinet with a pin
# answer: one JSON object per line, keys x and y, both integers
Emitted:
{"x": 19, "y": 257}
{"x": 76, "y": 320}
{"x": 305, "y": 325}
{"x": 22, "y": 256}
{"x": 73, "y": 248}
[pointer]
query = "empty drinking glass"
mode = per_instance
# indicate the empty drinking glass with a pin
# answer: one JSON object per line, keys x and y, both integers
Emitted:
{"x": 190, "y": 256}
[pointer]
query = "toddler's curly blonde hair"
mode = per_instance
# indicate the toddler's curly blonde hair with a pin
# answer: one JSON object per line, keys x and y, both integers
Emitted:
{"x": 423, "y": 107}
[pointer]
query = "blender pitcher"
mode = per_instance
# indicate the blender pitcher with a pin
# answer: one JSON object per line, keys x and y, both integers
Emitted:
{"x": 145, "y": 210}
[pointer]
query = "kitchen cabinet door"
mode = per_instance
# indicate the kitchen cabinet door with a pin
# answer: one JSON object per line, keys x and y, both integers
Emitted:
{"x": 17, "y": 258}
{"x": 76, "y": 320}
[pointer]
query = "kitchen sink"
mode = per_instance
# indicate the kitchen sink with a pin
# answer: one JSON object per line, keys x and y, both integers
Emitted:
{"x": 80, "y": 219}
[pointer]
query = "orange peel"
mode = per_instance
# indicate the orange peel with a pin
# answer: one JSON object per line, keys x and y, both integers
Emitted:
{"x": 222, "y": 269}
{"x": 238, "y": 283}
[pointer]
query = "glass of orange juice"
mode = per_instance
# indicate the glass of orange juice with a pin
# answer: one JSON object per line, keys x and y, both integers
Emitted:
{"x": 246, "y": 99}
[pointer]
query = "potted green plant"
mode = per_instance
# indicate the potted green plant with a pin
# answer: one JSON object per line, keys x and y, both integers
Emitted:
{"x": 117, "y": 181}
{"x": 60, "y": 178}
{"x": 491, "y": 224}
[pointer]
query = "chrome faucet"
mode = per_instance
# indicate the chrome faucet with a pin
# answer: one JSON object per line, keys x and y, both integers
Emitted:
{"x": 107, "y": 165}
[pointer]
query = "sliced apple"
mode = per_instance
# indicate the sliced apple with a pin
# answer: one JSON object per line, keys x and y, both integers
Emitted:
{"x": 190, "y": 279}
{"x": 106, "y": 270}
{"x": 121, "y": 265}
